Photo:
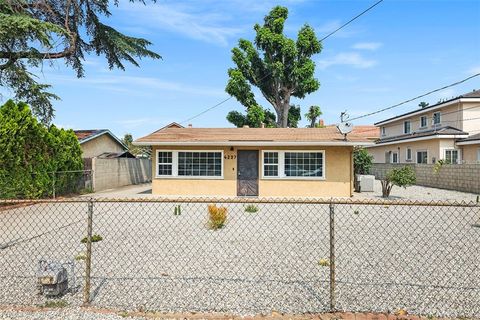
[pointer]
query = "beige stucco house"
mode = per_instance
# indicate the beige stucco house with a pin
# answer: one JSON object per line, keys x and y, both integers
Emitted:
{"x": 265, "y": 162}
{"x": 100, "y": 143}
{"x": 448, "y": 130}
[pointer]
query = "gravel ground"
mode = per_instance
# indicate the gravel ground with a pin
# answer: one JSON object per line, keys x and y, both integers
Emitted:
{"x": 418, "y": 193}
{"x": 423, "y": 259}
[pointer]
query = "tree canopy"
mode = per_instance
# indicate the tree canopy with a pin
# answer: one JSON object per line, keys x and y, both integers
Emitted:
{"x": 33, "y": 155}
{"x": 34, "y": 31}
{"x": 312, "y": 115}
{"x": 137, "y": 151}
{"x": 278, "y": 66}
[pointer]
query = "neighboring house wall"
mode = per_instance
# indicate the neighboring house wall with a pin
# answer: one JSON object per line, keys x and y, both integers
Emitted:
{"x": 471, "y": 117}
{"x": 433, "y": 147}
{"x": 118, "y": 172}
{"x": 460, "y": 177}
{"x": 471, "y": 153}
{"x": 99, "y": 145}
{"x": 338, "y": 176}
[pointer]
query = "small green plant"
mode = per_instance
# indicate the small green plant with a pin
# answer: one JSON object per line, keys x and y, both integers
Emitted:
{"x": 402, "y": 177}
{"x": 356, "y": 212}
{"x": 323, "y": 262}
{"x": 54, "y": 304}
{"x": 251, "y": 208}
{"x": 81, "y": 256}
{"x": 438, "y": 165}
{"x": 177, "y": 211}
{"x": 95, "y": 238}
{"x": 217, "y": 217}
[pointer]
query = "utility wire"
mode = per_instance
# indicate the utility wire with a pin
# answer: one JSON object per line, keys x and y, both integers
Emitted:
{"x": 415, "y": 98}
{"x": 268, "y": 74}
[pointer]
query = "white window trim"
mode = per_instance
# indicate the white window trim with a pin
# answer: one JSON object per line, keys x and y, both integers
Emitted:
{"x": 404, "y": 127}
{"x": 459, "y": 154}
{"x": 383, "y": 130}
{"x": 416, "y": 155}
{"x": 433, "y": 119}
{"x": 406, "y": 154}
{"x": 426, "y": 122}
{"x": 175, "y": 166}
{"x": 391, "y": 157}
{"x": 281, "y": 166}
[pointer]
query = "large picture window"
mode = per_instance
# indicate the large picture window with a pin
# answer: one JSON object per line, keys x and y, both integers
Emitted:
{"x": 195, "y": 164}
{"x": 294, "y": 164}
{"x": 451, "y": 156}
{"x": 422, "y": 157}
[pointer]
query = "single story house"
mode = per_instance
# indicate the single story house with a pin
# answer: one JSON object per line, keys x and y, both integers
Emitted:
{"x": 447, "y": 130}
{"x": 266, "y": 162}
{"x": 100, "y": 142}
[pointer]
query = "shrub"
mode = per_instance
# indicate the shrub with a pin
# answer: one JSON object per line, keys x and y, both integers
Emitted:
{"x": 402, "y": 177}
{"x": 251, "y": 208}
{"x": 217, "y": 216}
{"x": 362, "y": 161}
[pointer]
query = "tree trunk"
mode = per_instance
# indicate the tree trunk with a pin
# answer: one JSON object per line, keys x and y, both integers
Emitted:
{"x": 282, "y": 115}
{"x": 386, "y": 188}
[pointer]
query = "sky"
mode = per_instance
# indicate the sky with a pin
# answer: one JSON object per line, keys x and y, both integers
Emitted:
{"x": 398, "y": 50}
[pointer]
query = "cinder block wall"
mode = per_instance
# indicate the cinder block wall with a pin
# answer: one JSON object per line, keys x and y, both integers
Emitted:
{"x": 460, "y": 177}
{"x": 114, "y": 173}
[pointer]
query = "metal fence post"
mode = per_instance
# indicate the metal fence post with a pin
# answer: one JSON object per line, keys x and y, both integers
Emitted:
{"x": 88, "y": 260}
{"x": 332, "y": 256}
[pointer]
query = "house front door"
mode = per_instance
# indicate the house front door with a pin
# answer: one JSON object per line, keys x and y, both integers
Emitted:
{"x": 247, "y": 173}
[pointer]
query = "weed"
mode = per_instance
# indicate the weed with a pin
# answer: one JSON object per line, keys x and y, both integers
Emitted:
{"x": 81, "y": 256}
{"x": 95, "y": 238}
{"x": 356, "y": 212}
{"x": 177, "y": 211}
{"x": 251, "y": 208}
{"x": 54, "y": 304}
{"x": 323, "y": 262}
{"x": 217, "y": 216}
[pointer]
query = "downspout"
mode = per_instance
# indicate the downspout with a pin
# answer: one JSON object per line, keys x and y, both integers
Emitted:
{"x": 352, "y": 177}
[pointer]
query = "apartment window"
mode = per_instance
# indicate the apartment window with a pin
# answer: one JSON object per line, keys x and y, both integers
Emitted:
{"x": 436, "y": 118}
{"x": 408, "y": 155}
{"x": 451, "y": 156}
{"x": 478, "y": 155}
{"x": 407, "y": 126}
{"x": 294, "y": 164}
{"x": 206, "y": 164}
{"x": 422, "y": 157}
{"x": 270, "y": 164}
{"x": 383, "y": 130}
{"x": 394, "y": 157}
{"x": 423, "y": 121}
{"x": 165, "y": 165}
{"x": 200, "y": 164}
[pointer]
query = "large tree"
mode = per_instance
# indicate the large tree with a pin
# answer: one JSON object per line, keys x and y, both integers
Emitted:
{"x": 278, "y": 66}
{"x": 312, "y": 115}
{"x": 34, "y": 31}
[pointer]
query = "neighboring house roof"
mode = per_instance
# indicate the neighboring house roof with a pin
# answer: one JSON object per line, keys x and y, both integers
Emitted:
{"x": 369, "y": 132}
{"x": 475, "y": 94}
{"x": 251, "y": 136}
{"x": 87, "y": 135}
{"x": 114, "y": 155}
{"x": 441, "y": 132}
{"x": 474, "y": 139}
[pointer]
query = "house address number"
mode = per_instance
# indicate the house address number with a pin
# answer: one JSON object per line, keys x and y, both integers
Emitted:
{"x": 230, "y": 156}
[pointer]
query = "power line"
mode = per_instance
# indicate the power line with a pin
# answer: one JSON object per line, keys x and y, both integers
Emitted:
{"x": 268, "y": 74}
{"x": 415, "y": 98}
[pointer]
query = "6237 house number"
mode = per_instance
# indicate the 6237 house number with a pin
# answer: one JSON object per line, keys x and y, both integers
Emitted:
{"x": 230, "y": 156}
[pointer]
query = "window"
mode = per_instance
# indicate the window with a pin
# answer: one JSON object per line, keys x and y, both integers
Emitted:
{"x": 422, "y": 157}
{"x": 423, "y": 121}
{"x": 294, "y": 164}
{"x": 394, "y": 157}
{"x": 200, "y": 164}
{"x": 478, "y": 155}
{"x": 384, "y": 131}
{"x": 164, "y": 163}
{"x": 270, "y": 164}
{"x": 407, "y": 127}
{"x": 206, "y": 164}
{"x": 436, "y": 118}
{"x": 408, "y": 155}
{"x": 451, "y": 156}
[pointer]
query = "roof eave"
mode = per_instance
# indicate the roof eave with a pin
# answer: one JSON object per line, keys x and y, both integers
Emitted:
{"x": 255, "y": 143}
{"x": 412, "y": 139}
{"x": 93, "y": 136}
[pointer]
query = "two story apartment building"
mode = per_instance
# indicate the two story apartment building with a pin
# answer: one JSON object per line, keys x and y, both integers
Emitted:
{"x": 448, "y": 130}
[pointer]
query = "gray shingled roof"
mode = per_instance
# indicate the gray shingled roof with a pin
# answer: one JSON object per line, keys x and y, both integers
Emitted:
{"x": 471, "y": 138}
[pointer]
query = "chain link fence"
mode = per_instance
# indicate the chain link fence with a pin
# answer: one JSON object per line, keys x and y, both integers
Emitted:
{"x": 247, "y": 256}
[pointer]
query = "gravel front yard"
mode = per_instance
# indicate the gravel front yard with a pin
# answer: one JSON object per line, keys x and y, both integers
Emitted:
{"x": 423, "y": 259}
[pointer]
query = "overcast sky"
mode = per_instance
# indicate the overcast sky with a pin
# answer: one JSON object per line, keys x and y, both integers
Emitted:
{"x": 396, "y": 51}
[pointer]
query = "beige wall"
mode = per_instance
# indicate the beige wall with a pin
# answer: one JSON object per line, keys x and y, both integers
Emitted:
{"x": 99, "y": 145}
{"x": 435, "y": 148}
{"x": 450, "y": 116}
{"x": 471, "y": 153}
{"x": 471, "y": 111}
{"x": 338, "y": 173}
